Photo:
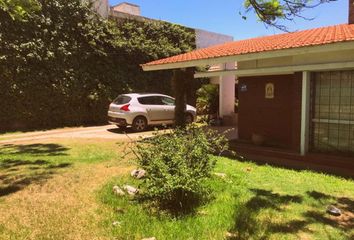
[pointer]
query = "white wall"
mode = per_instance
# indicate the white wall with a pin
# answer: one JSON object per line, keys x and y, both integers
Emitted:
{"x": 206, "y": 39}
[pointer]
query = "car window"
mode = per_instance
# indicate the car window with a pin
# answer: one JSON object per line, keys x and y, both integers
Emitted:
{"x": 168, "y": 101}
{"x": 156, "y": 100}
{"x": 122, "y": 99}
{"x": 152, "y": 100}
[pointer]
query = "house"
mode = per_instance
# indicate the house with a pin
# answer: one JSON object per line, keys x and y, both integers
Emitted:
{"x": 296, "y": 92}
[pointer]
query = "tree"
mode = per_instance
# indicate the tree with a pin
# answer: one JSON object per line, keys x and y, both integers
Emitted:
{"x": 271, "y": 12}
{"x": 18, "y": 9}
{"x": 179, "y": 85}
{"x": 180, "y": 80}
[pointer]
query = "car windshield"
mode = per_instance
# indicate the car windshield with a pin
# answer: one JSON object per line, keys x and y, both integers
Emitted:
{"x": 122, "y": 99}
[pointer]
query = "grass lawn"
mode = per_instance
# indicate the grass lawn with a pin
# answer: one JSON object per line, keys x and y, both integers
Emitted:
{"x": 21, "y": 165}
{"x": 62, "y": 189}
{"x": 48, "y": 189}
{"x": 252, "y": 202}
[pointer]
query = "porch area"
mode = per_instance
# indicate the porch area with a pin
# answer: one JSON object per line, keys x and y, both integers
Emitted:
{"x": 331, "y": 164}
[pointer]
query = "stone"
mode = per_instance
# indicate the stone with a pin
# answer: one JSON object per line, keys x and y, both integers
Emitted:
{"x": 222, "y": 175}
{"x": 202, "y": 213}
{"x": 138, "y": 173}
{"x": 118, "y": 191}
{"x": 334, "y": 210}
{"x": 141, "y": 174}
{"x": 130, "y": 190}
{"x": 230, "y": 235}
{"x": 134, "y": 173}
{"x": 116, "y": 223}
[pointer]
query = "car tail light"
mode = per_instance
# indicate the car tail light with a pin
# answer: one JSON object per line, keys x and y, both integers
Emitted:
{"x": 125, "y": 108}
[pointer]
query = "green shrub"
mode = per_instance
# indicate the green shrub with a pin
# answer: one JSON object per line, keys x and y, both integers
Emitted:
{"x": 208, "y": 99}
{"x": 177, "y": 166}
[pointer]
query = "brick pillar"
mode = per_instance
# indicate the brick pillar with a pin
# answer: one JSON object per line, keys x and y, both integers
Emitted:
{"x": 351, "y": 11}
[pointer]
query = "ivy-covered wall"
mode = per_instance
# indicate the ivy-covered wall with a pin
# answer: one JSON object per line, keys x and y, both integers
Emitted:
{"x": 62, "y": 65}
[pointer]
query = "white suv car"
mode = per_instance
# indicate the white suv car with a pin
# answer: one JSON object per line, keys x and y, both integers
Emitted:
{"x": 143, "y": 110}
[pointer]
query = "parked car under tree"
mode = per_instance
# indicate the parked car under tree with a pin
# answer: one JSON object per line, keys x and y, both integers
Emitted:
{"x": 142, "y": 110}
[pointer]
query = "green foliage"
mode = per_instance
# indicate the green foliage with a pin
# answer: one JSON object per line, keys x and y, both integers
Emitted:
{"x": 54, "y": 66}
{"x": 208, "y": 99}
{"x": 144, "y": 41}
{"x": 62, "y": 65}
{"x": 18, "y": 9}
{"x": 178, "y": 165}
{"x": 271, "y": 12}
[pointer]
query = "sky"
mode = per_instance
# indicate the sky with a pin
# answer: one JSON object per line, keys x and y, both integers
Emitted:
{"x": 222, "y": 16}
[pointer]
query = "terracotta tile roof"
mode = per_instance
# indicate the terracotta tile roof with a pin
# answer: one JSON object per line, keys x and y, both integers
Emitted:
{"x": 311, "y": 37}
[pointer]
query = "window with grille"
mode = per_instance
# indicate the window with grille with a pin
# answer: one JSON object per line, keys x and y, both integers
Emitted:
{"x": 333, "y": 112}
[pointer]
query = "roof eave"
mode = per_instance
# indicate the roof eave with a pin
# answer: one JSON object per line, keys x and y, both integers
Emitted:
{"x": 347, "y": 45}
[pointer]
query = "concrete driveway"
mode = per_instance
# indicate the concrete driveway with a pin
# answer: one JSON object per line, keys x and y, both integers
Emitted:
{"x": 101, "y": 132}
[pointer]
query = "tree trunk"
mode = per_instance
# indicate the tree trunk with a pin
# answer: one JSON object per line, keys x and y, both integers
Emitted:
{"x": 179, "y": 88}
{"x": 191, "y": 87}
{"x": 181, "y": 83}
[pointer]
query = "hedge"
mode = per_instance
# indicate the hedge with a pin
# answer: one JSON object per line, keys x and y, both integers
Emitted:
{"x": 62, "y": 64}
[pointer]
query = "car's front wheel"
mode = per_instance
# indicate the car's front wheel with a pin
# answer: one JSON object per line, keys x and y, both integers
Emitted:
{"x": 139, "y": 124}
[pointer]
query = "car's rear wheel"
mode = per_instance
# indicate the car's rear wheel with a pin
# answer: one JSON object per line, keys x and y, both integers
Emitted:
{"x": 189, "y": 118}
{"x": 139, "y": 124}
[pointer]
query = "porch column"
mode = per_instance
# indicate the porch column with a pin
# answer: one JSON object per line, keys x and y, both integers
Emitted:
{"x": 305, "y": 113}
{"x": 227, "y": 92}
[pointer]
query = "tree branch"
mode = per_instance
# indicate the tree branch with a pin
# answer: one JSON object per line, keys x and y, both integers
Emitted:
{"x": 271, "y": 12}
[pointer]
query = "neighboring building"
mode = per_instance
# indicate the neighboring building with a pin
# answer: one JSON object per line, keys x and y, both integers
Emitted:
{"x": 127, "y": 8}
{"x": 101, "y": 7}
{"x": 296, "y": 94}
{"x": 204, "y": 38}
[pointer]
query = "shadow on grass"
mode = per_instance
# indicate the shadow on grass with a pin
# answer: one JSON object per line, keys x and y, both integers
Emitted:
{"x": 345, "y": 222}
{"x": 249, "y": 225}
{"x": 16, "y": 172}
{"x": 34, "y": 149}
{"x": 181, "y": 205}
